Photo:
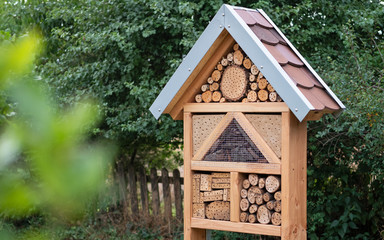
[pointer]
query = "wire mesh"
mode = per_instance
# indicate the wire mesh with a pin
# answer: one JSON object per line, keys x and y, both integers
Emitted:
{"x": 234, "y": 145}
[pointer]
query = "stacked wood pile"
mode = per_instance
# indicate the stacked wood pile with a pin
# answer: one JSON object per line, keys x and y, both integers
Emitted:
{"x": 236, "y": 79}
{"x": 261, "y": 199}
{"x": 211, "y": 195}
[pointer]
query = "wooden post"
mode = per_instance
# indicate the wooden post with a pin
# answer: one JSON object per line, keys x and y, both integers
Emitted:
{"x": 294, "y": 178}
{"x": 167, "y": 195}
{"x": 189, "y": 232}
{"x": 177, "y": 191}
{"x": 144, "y": 191}
{"x": 155, "y": 192}
{"x": 133, "y": 190}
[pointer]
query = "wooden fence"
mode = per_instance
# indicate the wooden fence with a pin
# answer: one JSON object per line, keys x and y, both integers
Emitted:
{"x": 155, "y": 195}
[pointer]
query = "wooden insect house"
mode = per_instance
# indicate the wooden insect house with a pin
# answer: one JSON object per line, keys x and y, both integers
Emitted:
{"x": 245, "y": 94}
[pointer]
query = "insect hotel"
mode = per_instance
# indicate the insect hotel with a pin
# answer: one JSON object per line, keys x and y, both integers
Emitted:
{"x": 245, "y": 94}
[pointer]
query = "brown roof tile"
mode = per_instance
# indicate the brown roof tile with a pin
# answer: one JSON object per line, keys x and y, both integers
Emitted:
{"x": 246, "y": 16}
{"x": 265, "y": 35}
{"x": 277, "y": 35}
{"x": 306, "y": 82}
{"x": 260, "y": 19}
{"x": 299, "y": 76}
{"x": 316, "y": 103}
{"x": 289, "y": 54}
{"x": 276, "y": 54}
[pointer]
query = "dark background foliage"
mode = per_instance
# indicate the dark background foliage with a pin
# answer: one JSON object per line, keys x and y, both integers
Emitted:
{"x": 123, "y": 53}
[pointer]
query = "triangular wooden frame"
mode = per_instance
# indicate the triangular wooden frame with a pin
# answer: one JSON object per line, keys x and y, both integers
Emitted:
{"x": 252, "y": 133}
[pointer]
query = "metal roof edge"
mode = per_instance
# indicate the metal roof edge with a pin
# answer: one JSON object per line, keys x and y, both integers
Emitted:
{"x": 267, "y": 64}
{"x": 189, "y": 63}
{"x": 304, "y": 61}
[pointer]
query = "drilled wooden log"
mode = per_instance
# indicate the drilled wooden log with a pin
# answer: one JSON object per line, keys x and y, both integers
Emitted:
{"x": 224, "y": 62}
{"x": 263, "y": 215}
{"x": 253, "y": 208}
{"x": 261, "y": 182}
{"x": 219, "y": 67}
{"x": 204, "y": 87}
{"x": 244, "y": 204}
{"x": 253, "y": 86}
{"x": 262, "y": 95}
{"x": 272, "y": 183}
{"x": 255, "y": 190}
{"x": 267, "y": 197}
{"x": 276, "y": 219}
{"x": 198, "y": 98}
{"x": 216, "y": 75}
{"x": 214, "y": 86}
{"x": 238, "y": 57}
{"x": 259, "y": 76}
{"x": 270, "y": 88}
{"x": 277, "y": 207}
{"x": 244, "y": 216}
{"x": 244, "y": 100}
{"x": 253, "y": 179}
{"x": 246, "y": 184}
{"x": 254, "y": 70}
{"x": 236, "y": 47}
{"x": 277, "y": 195}
{"x": 270, "y": 205}
{"x": 243, "y": 193}
{"x": 252, "y": 78}
{"x": 263, "y": 83}
{"x": 251, "y": 199}
{"x": 272, "y": 96}
{"x": 216, "y": 96}
{"x": 251, "y": 96}
{"x": 207, "y": 96}
{"x": 210, "y": 80}
{"x": 234, "y": 83}
{"x": 252, "y": 218}
{"x": 222, "y": 99}
{"x": 247, "y": 63}
{"x": 213, "y": 196}
{"x": 230, "y": 57}
{"x": 259, "y": 199}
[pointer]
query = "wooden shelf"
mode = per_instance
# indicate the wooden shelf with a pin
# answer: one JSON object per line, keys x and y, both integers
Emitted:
{"x": 252, "y": 228}
{"x": 260, "y": 168}
{"x": 263, "y": 107}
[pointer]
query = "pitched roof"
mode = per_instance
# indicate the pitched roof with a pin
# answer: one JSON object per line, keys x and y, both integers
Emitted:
{"x": 288, "y": 72}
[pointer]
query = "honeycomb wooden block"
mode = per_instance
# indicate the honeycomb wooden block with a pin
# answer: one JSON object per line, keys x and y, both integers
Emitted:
{"x": 220, "y": 185}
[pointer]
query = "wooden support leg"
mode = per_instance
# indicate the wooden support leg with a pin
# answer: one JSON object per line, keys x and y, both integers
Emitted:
{"x": 294, "y": 178}
{"x": 189, "y": 233}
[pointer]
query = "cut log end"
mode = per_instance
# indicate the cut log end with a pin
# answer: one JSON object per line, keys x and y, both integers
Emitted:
{"x": 262, "y": 95}
{"x": 244, "y": 204}
{"x": 272, "y": 183}
{"x": 254, "y": 70}
{"x": 246, "y": 184}
{"x": 198, "y": 98}
{"x": 276, "y": 219}
{"x": 238, "y": 57}
{"x": 234, "y": 83}
{"x": 207, "y": 96}
{"x": 273, "y": 96}
{"x": 263, "y": 215}
{"x": 253, "y": 179}
{"x": 216, "y": 96}
{"x": 247, "y": 63}
{"x": 244, "y": 217}
{"x": 252, "y": 96}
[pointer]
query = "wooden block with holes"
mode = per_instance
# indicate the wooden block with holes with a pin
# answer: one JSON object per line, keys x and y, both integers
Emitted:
{"x": 205, "y": 182}
{"x": 220, "y": 175}
{"x": 218, "y": 210}
{"x": 213, "y": 196}
{"x": 196, "y": 188}
{"x": 198, "y": 210}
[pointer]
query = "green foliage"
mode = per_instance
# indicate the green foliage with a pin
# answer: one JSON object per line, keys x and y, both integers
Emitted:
{"x": 46, "y": 164}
